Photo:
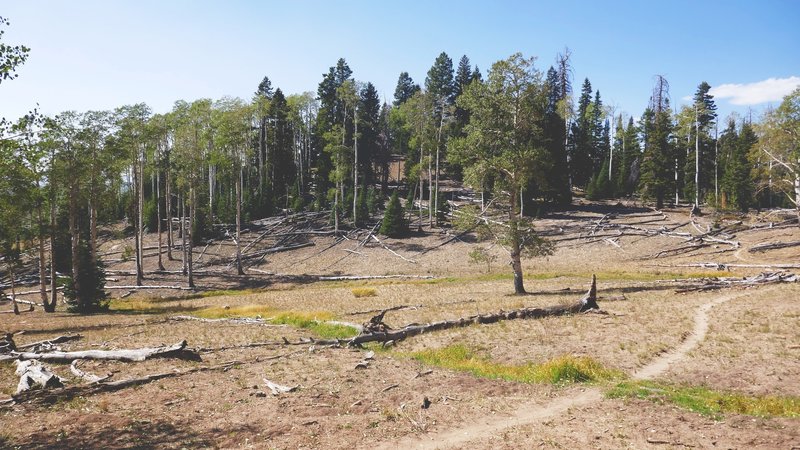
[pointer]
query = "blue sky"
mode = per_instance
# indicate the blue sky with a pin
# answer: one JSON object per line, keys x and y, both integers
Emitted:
{"x": 103, "y": 54}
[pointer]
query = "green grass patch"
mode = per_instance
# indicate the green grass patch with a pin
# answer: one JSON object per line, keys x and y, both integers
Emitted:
{"x": 360, "y": 292}
{"x": 708, "y": 402}
{"x": 562, "y": 370}
{"x": 314, "y": 321}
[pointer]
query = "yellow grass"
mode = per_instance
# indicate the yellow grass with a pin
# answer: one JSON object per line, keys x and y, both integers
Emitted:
{"x": 560, "y": 370}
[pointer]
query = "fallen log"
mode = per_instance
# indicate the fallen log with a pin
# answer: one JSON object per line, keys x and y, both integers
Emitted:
{"x": 178, "y": 350}
{"x": 392, "y": 251}
{"x": 372, "y": 277}
{"x": 393, "y": 308}
{"x": 270, "y": 250}
{"x": 48, "y": 342}
{"x": 587, "y": 303}
{"x": 33, "y": 375}
{"x": 182, "y": 288}
{"x": 763, "y": 278}
{"x": 17, "y": 310}
{"x": 726, "y": 266}
{"x": 50, "y": 396}
{"x": 773, "y": 246}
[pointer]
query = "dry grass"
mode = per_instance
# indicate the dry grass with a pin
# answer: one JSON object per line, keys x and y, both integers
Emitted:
{"x": 364, "y": 292}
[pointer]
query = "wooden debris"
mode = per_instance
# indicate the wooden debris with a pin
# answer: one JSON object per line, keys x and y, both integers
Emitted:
{"x": 34, "y": 375}
{"x": 723, "y": 282}
{"x": 392, "y": 251}
{"x": 373, "y": 277}
{"x": 277, "y": 389}
{"x": 389, "y": 388}
{"x": 587, "y": 302}
{"x": 393, "y": 308}
{"x": 91, "y": 378}
{"x": 178, "y": 350}
{"x": 772, "y": 246}
{"x": 49, "y": 342}
{"x": 50, "y": 396}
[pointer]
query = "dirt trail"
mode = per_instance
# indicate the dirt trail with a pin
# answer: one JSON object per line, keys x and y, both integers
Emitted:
{"x": 534, "y": 412}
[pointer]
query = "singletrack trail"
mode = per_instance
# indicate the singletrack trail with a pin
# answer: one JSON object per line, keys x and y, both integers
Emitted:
{"x": 533, "y": 412}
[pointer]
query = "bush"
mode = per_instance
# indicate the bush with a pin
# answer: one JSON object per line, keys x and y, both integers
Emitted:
{"x": 394, "y": 223}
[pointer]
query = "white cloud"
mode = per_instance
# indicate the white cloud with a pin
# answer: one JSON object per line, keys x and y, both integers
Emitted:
{"x": 769, "y": 90}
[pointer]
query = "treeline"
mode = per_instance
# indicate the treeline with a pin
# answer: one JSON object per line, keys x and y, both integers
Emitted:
{"x": 231, "y": 160}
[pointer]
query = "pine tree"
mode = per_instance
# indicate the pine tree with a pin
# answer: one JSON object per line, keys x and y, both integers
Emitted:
{"x": 582, "y": 133}
{"x": 555, "y": 186}
{"x": 439, "y": 82}
{"x": 598, "y": 151}
{"x": 703, "y": 115}
{"x": 369, "y": 110}
{"x": 282, "y": 165}
{"x": 405, "y": 89}
{"x": 476, "y": 75}
{"x": 737, "y": 188}
{"x": 394, "y": 224}
{"x": 657, "y": 165}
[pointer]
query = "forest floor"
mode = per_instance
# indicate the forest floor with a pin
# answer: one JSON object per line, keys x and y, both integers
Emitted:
{"x": 683, "y": 369}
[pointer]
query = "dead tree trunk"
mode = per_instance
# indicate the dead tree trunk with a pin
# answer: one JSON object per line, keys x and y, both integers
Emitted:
{"x": 168, "y": 210}
{"x": 51, "y": 396}
{"x": 239, "y": 269}
{"x": 189, "y": 256}
{"x": 158, "y": 218}
{"x": 377, "y": 331}
{"x": 42, "y": 263}
{"x": 75, "y": 241}
{"x": 178, "y": 350}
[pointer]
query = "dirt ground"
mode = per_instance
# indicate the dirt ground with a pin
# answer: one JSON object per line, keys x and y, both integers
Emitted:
{"x": 743, "y": 340}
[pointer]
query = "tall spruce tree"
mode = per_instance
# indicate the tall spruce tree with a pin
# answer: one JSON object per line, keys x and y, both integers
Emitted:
{"x": 700, "y": 141}
{"x": 581, "y": 141}
{"x": 657, "y": 165}
{"x": 405, "y": 89}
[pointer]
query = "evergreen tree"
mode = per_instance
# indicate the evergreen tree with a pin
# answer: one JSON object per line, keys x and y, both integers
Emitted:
{"x": 439, "y": 83}
{"x": 463, "y": 75}
{"x": 658, "y": 160}
{"x": 462, "y": 80}
{"x": 581, "y": 142}
{"x": 703, "y": 118}
{"x": 394, "y": 223}
{"x": 405, "y": 89}
{"x": 737, "y": 188}
{"x": 369, "y": 111}
{"x": 265, "y": 88}
{"x": 476, "y": 75}
{"x": 282, "y": 152}
{"x": 555, "y": 185}
{"x": 598, "y": 151}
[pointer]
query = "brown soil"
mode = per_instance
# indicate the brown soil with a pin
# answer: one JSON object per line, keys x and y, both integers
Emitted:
{"x": 745, "y": 340}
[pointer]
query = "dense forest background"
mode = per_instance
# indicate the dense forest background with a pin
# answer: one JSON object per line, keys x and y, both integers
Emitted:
{"x": 522, "y": 134}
